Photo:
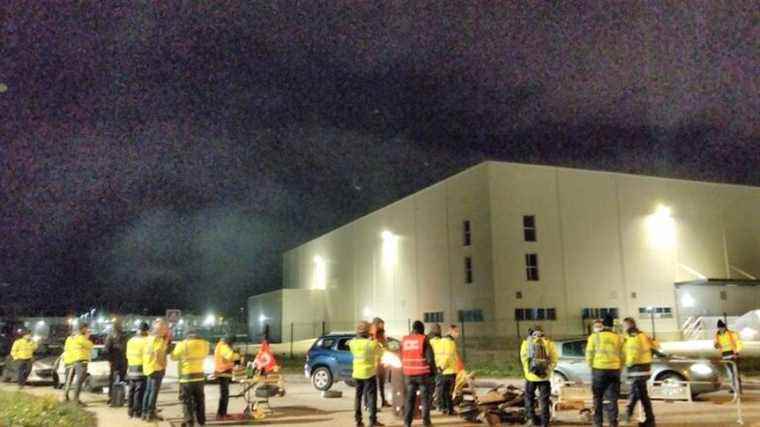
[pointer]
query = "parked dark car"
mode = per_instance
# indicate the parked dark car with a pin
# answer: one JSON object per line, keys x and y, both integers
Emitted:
{"x": 329, "y": 360}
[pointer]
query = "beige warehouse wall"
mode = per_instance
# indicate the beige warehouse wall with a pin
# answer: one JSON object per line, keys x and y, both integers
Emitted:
{"x": 594, "y": 244}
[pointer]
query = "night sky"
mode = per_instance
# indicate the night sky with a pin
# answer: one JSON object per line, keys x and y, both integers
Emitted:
{"x": 159, "y": 154}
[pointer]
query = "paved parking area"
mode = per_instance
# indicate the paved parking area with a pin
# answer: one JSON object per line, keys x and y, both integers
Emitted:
{"x": 303, "y": 406}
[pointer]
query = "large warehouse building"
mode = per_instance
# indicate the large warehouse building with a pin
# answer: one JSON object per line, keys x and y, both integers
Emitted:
{"x": 501, "y": 246}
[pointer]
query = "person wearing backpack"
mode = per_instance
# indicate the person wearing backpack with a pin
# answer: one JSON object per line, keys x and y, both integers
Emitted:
{"x": 539, "y": 356}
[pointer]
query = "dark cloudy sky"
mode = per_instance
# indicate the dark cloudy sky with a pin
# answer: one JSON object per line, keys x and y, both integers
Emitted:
{"x": 159, "y": 154}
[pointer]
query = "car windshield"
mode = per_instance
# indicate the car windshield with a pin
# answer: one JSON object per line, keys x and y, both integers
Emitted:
{"x": 343, "y": 344}
{"x": 574, "y": 349}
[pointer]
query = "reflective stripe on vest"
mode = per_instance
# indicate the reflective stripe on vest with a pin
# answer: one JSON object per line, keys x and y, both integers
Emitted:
{"x": 413, "y": 356}
{"x": 134, "y": 372}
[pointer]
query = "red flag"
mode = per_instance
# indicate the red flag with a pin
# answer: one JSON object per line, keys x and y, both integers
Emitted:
{"x": 265, "y": 358}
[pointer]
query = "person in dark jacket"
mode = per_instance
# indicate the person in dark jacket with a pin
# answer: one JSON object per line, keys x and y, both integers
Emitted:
{"x": 418, "y": 364}
{"x": 116, "y": 351}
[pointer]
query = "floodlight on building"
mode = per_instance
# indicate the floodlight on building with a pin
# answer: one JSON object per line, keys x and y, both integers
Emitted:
{"x": 101, "y": 320}
{"x": 210, "y": 320}
{"x": 661, "y": 228}
{"x": 687, "y": 300}
{"x": 320, "y": 273}
{"x": 40, "y": 323}
{"x": 387, "y": 235}
{"x": 262, "y": 318}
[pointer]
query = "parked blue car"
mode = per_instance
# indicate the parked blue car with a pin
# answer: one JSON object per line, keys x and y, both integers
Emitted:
{"x": 329, "y": 360}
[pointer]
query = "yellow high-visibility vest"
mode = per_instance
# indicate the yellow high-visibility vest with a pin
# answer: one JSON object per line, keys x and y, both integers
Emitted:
{"x": 604, "y": 350}
{"x": 551, "y": 351}
{"x": 154, "y": 355}
{"x": 135, "y": 350}
{"x": 728, "y": 342}
{"x": 638, "y": 349}
{"x": 81, "y": 348}
{"x": 68, "y": 351}
{"x": 191, "y": 353}
{"x": 224, "y": 359}
{"x": 445, "y": 350}
{"x": 365, "y": 352}
{"x": 23, "y": 349}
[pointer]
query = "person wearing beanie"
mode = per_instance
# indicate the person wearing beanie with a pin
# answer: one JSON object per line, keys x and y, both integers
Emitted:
{"x": 135, "y": 375}
{"x": 729, "y": 345}
{"x": 539, "y": 357}
{"x": 604, "y": 354}
{"x": 366, "y": 357}
{"x": 418, "y": 365}
{"x": 638, "y": 349}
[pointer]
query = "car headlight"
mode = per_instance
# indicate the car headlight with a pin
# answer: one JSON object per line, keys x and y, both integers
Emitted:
{"x": 702, "y": 369}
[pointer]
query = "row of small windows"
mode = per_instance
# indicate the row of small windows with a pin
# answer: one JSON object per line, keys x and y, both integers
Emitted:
{"x": 433, "y": 317}
{"x": 658, "y": 312}
{"x": 475, "y": 315}
{"x": 530, "y": 232}
{"x": 535, "y": 314}
{"x": 599, "y": 312}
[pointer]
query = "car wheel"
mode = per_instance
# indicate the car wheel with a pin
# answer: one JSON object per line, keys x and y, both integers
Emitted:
{"x": 322, "y": 378}
{"x": 56, "y": 380}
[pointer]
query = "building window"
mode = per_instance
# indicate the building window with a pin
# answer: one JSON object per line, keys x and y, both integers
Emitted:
{"x": 434, "y": 317}
{"x": 529, "y": 228}
{"x": 468, "y": 269}
{"x": 471, "y": 315}
{"x": 723, "y": 295}
{"x": 633, "y": 295}
{"x": 599, "y": 312}
{"x": 467, "y": 233}
{"x": 658, "y": 312}
{"x": 518, "y": 295}
{"x": 536, "y": 314}
{"x": 531, "y": 267}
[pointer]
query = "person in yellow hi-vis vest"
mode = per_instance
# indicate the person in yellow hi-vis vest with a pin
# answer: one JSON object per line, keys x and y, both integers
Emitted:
{"x": 445, "y": 349}
{"x": 729, "y": 345}
{"x": 22, "y": 352}
{"x": 365, "y": 352}
{"x": 604, "y": 354}
{"x": 638, "y": 350}
{"x": 78, "y": 351}
{"x": 190, "y": 353}
{"x": 539, "y": 357}
{"x": 135, "y": 374}
{"x": 224, "y": 362}
{"x": 154, "y": 368}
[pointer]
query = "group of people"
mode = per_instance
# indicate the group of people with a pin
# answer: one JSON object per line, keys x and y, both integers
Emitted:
{"x": 141, "y": 361}
{"x": 607, "y": 353}
{"x": 427, "y": 361}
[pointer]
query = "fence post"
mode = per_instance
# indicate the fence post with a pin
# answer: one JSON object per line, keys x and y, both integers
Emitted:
{"x": 291, "y": 339}
{"x": 518, "y": 329}
{"x": 464, "y": 342}
{"x": 323, "y": 328}
{"x": 409, "y": 325}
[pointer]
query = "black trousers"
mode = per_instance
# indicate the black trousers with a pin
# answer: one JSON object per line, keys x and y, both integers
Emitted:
{"x": 136, "y": 396}
{"x": 544, "y": 389}
{"x": 24, "y": 369}
{"x": 423, "y": 383}
{"x": 193, "y": 403}
{"x": 118, "y": 371}
{"x": 606, "y": 386}
{"x": 639, "y": 393}
{"x": 366, "y": 389}
{"x": 224, "y": 395}
{"x": 444, "y": 386}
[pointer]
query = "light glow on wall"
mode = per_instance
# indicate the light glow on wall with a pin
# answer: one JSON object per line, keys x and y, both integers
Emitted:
{"x": 320, "y": 273}
{"x": 390, "y": 249}
{"x": 661, "y": 228}
{"x": 367, "y": 313}
{"x": 687, "y": 301}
